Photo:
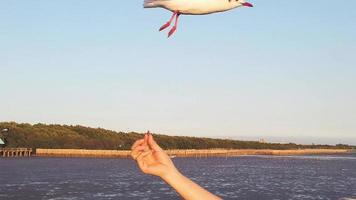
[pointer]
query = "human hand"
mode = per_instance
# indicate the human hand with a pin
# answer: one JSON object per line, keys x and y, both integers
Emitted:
{"x": 151, "y": 158}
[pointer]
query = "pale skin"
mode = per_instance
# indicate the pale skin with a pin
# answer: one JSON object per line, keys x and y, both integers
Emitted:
{"x": 152, "y": 160}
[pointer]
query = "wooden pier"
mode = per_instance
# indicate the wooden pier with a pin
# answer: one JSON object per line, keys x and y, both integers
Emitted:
{"x": 15, "y": 152}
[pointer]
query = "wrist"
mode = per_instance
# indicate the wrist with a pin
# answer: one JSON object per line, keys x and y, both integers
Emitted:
{"x": 171, "y": 176}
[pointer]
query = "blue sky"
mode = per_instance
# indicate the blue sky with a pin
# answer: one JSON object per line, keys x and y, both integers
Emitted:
{"x": 283, "y": 70}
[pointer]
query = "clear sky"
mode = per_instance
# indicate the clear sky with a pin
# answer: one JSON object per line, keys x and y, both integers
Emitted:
{"x": 283, "y": 70}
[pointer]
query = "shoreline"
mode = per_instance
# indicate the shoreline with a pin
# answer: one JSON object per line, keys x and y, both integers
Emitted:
{"x": 187, "y": 153}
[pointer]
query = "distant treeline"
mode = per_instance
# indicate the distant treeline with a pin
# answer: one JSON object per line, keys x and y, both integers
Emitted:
{"x": 80, "y": 137}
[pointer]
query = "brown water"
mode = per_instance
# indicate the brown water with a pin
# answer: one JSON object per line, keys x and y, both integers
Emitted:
{"x": 250, "y": 177}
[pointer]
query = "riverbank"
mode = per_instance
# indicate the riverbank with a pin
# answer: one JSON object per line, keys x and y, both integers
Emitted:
{"x": 185, "y": 153}
{"x": 80, "y": 137}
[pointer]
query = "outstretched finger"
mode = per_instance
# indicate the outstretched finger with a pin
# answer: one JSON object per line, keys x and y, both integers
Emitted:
{"x": 146, "y": 137}
{"x": 153, "y": 144}
{"x": 137, "y": 143}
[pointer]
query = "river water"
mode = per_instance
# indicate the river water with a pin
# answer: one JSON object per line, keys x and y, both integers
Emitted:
{"x": 246, "y": 177}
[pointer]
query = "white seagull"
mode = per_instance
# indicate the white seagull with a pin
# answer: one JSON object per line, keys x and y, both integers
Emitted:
{"x": 193, "y": 7}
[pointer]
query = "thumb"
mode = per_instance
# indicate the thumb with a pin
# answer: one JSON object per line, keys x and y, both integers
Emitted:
{"x": 152, "y": 143}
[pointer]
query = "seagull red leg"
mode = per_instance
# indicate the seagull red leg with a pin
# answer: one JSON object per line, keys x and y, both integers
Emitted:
{"x": 166, "y": 25}
{"x": 174, "y": 28}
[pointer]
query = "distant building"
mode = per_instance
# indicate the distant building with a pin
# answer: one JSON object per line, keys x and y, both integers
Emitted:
{"x": 263, "y": 141}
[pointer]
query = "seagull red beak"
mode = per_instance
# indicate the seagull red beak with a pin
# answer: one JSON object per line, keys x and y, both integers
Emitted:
{"x": 247, "y": 4}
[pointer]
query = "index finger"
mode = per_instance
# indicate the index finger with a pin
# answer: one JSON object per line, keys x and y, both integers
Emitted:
{"x": 153, "y": 144}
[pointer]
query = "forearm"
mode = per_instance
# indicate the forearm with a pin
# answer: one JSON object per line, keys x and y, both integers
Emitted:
{"x": 187, "y": 188}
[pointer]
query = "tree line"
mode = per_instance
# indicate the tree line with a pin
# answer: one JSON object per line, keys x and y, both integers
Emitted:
{"x": 81, "y": 137}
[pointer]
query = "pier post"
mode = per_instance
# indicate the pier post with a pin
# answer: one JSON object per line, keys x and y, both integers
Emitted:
{"x": 15, "y": 152}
